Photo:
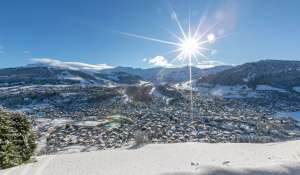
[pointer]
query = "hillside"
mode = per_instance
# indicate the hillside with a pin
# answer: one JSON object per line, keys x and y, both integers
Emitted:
{"x": 277, "y": 73}
{"x": 43, "y": 75}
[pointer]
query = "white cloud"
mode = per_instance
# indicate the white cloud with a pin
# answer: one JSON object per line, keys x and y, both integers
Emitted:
{"x": 208, "y": 63}
{"x": 159, "y": 61}
{"x": 71, "y": 65}
{"x": 145, "y": 60}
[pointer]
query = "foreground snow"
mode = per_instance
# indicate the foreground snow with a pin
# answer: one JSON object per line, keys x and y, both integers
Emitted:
{"x": 178, "y": 159}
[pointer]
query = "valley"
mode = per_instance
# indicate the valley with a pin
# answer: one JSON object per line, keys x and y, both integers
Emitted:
{"x": 112, "y": 111}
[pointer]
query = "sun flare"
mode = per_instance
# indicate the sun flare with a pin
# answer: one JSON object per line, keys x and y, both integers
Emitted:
{"x": 189, "y": 47}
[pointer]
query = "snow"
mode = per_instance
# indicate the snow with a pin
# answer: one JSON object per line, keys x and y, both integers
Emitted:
{"x": 144, "y": 83}
{"x": 173, "y": 159}
{"x": 249, "y": 77}
{"x": 232, "y": 91}
{"x": 155, "y": 92}
{"x": 60, "y": 122}
{"x": 238, "y": 91}
{"x": 296, "y": 88}
{"x": 68, "y": 76}
{"x": 17, "y": 88}
{"x": 89, "y": 123}
{"x": 269, "y": 88}
{"x": 72, "y": 149}
{"x": 126, "y": 98}
{"x": 186, "y": 85}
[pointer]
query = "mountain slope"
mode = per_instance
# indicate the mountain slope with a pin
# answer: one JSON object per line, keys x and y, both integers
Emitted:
{"x": 167, "y": 75}
{"x": 277, "y": 73}
{"x": 71, "y": 73}
{"x": 43, "y": 75}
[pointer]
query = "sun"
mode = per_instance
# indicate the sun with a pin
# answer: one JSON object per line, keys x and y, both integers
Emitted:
{"x": 189, "y": 47}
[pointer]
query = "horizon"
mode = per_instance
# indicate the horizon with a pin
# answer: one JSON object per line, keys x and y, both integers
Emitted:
{"x": 66, "y": 64}
{"x": 97, "y": 32}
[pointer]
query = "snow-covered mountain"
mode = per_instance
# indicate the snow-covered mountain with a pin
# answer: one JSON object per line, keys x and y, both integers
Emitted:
{"x": 58, "y": 72}
{"x": 274, "y": 73}
{"x": 46, "y": 62}
{"x": 41, "y": 75}
{"x": 167, "y": 75}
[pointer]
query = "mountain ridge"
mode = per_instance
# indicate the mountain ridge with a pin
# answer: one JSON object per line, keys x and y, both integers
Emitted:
{"x": 277, "y": 73}
{"x": 50, "y": 74}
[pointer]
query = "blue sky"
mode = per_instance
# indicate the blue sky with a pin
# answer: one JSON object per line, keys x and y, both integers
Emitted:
{"x": 89, "y": 31}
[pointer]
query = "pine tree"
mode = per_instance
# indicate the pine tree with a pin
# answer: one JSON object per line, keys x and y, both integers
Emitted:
{"x": 17, "y": 142}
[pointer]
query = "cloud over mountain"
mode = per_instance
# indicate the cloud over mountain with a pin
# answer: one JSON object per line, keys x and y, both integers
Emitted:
{"x": 71, "y": 65}
{"x": 160, "y": 61}
{"x": 208, "y": 63}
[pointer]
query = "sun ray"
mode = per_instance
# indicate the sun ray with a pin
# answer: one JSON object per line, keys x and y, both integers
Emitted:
{"x": 174, "y": 35}
{"x": 202, "y": 19}
{"x": 170, "y": 52}
{"x": 191, "y": 86}
{"x": 149, "y": 38}
{"x": 189, "y": 34}
{"x": 204, "y": 48}
{"x": 175, "y": 17}
{"x": 204, "y": 56}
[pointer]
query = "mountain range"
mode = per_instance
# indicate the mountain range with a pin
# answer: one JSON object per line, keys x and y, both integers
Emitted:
{"x": 56, "y": 74}
{"x": 277, "y": 73}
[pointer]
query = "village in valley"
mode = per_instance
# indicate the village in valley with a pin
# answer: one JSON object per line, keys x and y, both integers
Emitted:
{"x": 78, "y": 118}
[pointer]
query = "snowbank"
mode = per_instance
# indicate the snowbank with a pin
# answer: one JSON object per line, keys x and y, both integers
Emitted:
{"x": 175, "y": 159}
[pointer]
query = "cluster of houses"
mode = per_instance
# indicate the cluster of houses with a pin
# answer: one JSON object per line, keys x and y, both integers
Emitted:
{"x": 115, "y": 124}
{"x": 76, "y": 118}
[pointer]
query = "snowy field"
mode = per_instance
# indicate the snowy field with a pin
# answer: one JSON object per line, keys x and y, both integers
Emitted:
{"x": 173, "y": 159}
